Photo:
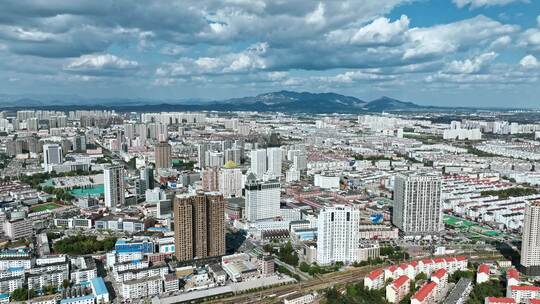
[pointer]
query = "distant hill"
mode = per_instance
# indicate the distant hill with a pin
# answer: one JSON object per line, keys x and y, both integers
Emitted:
{"x": 282, "y": 101}
{"x": 389, "y": 104}
{"x": 287, "y": 101}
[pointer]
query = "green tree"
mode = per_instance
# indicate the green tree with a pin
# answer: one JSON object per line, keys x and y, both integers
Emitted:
{"x": 19, "y": 294}
{"x": 454, "y": 277}
{"x": 486, "y": 289}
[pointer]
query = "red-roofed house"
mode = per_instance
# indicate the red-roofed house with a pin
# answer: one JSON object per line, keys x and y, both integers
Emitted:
{"x": 512, "y": 277}
{"x": 440, "y": 276}
{"x": 451, "y": 264}
{"x": 493, "y": 300}
{"x": 427, "y": 266}
{"x": 375, "y": 279}
{"x": 462, "y": 262}
{"x": 439, "y": 263}
{"x": 393, "y": 272}
{"x": 523, "y": 293}
{"x": 482, "y": 275}
{"x": 398, "y": 289}
{"x": 427, "y": 294}
{"x": 408, "y": 270}
{"x": 534, "y": 301}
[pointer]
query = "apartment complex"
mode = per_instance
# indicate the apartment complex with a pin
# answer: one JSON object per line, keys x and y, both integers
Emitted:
{"x": 417, "y": 204}
{"x": 337, "y": 235}
{"x": 114, "y": 186}
{"x": 199, "y": 222}
{"x": 162, "y": 154}
{"x": 530, "y": 246}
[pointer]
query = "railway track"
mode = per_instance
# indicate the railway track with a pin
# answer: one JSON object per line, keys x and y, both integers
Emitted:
{"x": 321, "y": 282}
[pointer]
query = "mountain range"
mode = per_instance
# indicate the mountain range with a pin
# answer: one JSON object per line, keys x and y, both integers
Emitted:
{"x": 282, "y": 101}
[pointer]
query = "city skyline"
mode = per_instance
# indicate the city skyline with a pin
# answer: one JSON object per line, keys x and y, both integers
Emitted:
{"x": 270, "y": 151}
{"x": 481, "y": 53}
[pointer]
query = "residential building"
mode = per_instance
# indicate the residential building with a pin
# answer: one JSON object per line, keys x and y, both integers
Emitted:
{"x": 258, "y": 163}
{"x": 530, "y": 245}
{"x": 427, "y": 294}
{"x": 337, "y": 234}
{"x": 162, "y": 155}
{"x": 417, "y": 204}
{"x": 114, "y": 186}
{"x": 375, "y": 279}
{"x": 18, "y": 228}
{"x": 199, "y": 222}
{"x": 141, "y": 288}
{"x": 210, "y": 179}
{"x": 398, "y": 289}
{"x": 274, "y": 162}
{"x": 230, "y": 182}
{"x": 482, "y": 273}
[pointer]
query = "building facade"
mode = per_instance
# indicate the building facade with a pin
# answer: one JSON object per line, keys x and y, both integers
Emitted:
{"x": 113, "y": 177}
{"x": 162, "y": 154}
{"x": 199, "y": 222}
{"x": 337, "y": 235}
{"x": 417, "y": 204}
{"x": 262, "y": 198}
{"x": 530, "y": 245}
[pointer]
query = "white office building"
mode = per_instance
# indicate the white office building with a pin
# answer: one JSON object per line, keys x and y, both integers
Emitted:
{"x": 262, "y": 198}
{"x": 214, "y": 159}
{"x": 274, "y": 160}
{"x": 530, "y": 245}
{"x": 300, "y": 161}
{"x": 230, "y": 182}
{"x": 326, "y": 181}
{"x": 258, "y": 162}
{"x": 114, "y": 186}
{"x": 338, "y": 235}
{"x": 417, "y": 204}
{"x": 52, "y": 155}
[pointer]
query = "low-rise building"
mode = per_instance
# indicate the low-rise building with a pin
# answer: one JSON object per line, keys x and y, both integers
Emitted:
{"x": 299, "y": 298}
{"x": 494, "y": 300}
{"x": 482, "y": 274}
{"x": 375, "y": 279}
{"x": 239, "y": 267}
{"x": 398, "y": 289}
{"x": 427, "y": 294}
{"x": 522, "y": 294}
{"x": 141, "y": 288}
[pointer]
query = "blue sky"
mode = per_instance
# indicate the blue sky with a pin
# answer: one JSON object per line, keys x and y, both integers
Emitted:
{"x": 440, "y": 52}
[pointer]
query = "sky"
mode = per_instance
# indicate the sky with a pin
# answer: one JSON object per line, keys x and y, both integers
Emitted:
{"x": 439, "y": 52}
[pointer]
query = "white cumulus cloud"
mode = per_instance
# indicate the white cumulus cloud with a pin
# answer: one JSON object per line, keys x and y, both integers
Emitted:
{"x": 381, "y": 31}
{"x": 480, "y": 3}
{"x": 470, "y": 66}
{"x": 102, "y": 64}
{"x": 529, "y": 62}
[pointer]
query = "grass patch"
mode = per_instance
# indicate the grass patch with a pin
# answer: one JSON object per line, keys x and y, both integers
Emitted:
{"x": 44, "y": 207}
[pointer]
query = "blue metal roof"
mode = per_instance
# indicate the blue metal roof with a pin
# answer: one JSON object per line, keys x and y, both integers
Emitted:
{"x": 99, "y": 286}
{"x": 15, "y": 269}
{"x": 77, "y": 299}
